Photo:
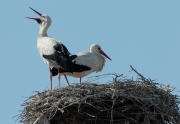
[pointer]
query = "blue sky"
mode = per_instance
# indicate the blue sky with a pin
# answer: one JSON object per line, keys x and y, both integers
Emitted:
{"x": 144, "y": 34}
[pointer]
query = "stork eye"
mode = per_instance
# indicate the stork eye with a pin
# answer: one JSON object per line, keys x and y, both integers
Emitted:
{"x": 43, "y": 16}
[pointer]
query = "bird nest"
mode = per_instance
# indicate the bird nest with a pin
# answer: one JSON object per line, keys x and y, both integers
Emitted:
{"x": 124, "y": 101}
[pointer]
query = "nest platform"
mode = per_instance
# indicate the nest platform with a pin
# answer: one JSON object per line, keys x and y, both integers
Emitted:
{"x": 124, "y": 101}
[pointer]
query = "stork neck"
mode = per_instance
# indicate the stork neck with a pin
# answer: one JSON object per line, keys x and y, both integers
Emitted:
{"x": 99, "y": 55}
{"x": 43, "y": 30}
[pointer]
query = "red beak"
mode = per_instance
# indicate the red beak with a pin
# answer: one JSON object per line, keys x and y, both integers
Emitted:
{"x": 37, "y": 19}
{"x": 105, "y": 55}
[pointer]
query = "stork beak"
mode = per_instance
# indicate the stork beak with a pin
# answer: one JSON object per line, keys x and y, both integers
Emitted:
{"x": 105, "y": 55}
{"x": 36, "y": 11}
{"x": 37, "y": 19}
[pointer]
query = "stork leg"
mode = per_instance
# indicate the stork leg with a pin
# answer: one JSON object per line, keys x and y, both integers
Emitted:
{"x": 50, "y": 77}
{"x": 66, "y": 79}
{"x": 59, "y": 77}
{"x": 80, "y": 80}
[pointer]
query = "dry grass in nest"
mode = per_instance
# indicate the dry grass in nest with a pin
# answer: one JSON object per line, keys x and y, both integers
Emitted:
{"x": 124, "y": 101}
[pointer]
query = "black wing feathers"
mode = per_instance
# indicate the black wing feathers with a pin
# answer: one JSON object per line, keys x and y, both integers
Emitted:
{"x": 60, "y": 57}
{"x": 62, "y": 49}
{"x": 74, "y": 67}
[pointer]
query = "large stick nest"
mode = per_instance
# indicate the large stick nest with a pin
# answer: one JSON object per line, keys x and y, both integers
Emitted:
{"x": 124, "y": 101}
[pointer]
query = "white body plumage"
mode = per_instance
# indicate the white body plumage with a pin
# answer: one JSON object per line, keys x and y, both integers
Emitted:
{"x": 92, "y": 60}
{"x": 87, "y": 62}
{"x": 45, "y": 47}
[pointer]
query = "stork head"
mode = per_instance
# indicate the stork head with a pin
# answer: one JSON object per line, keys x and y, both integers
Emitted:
{"x": 95, "y": 48}
{"x": 44, "y": 19}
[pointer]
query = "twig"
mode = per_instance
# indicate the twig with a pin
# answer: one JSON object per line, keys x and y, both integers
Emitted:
{"x": 138, "y": 73}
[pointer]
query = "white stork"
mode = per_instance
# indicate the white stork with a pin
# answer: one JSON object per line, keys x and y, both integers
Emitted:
{"x": 53, "y": 52}
{"x": 84, "y": 63}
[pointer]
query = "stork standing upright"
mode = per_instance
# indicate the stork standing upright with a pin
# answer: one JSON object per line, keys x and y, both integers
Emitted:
{"x": 84, "y": 63}
{"x": 53, "y": 52}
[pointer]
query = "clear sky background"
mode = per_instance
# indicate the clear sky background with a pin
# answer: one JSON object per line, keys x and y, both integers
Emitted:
{"x": 141, "y": 33}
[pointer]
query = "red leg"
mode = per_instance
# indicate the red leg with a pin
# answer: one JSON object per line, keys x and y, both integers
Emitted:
{"x": 66, "y": 79}
{"x": 59, "y": 77}
{"x": 50, "y": 77}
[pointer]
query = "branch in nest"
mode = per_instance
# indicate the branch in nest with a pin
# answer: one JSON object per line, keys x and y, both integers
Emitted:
{"x": 137, "y": 73}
